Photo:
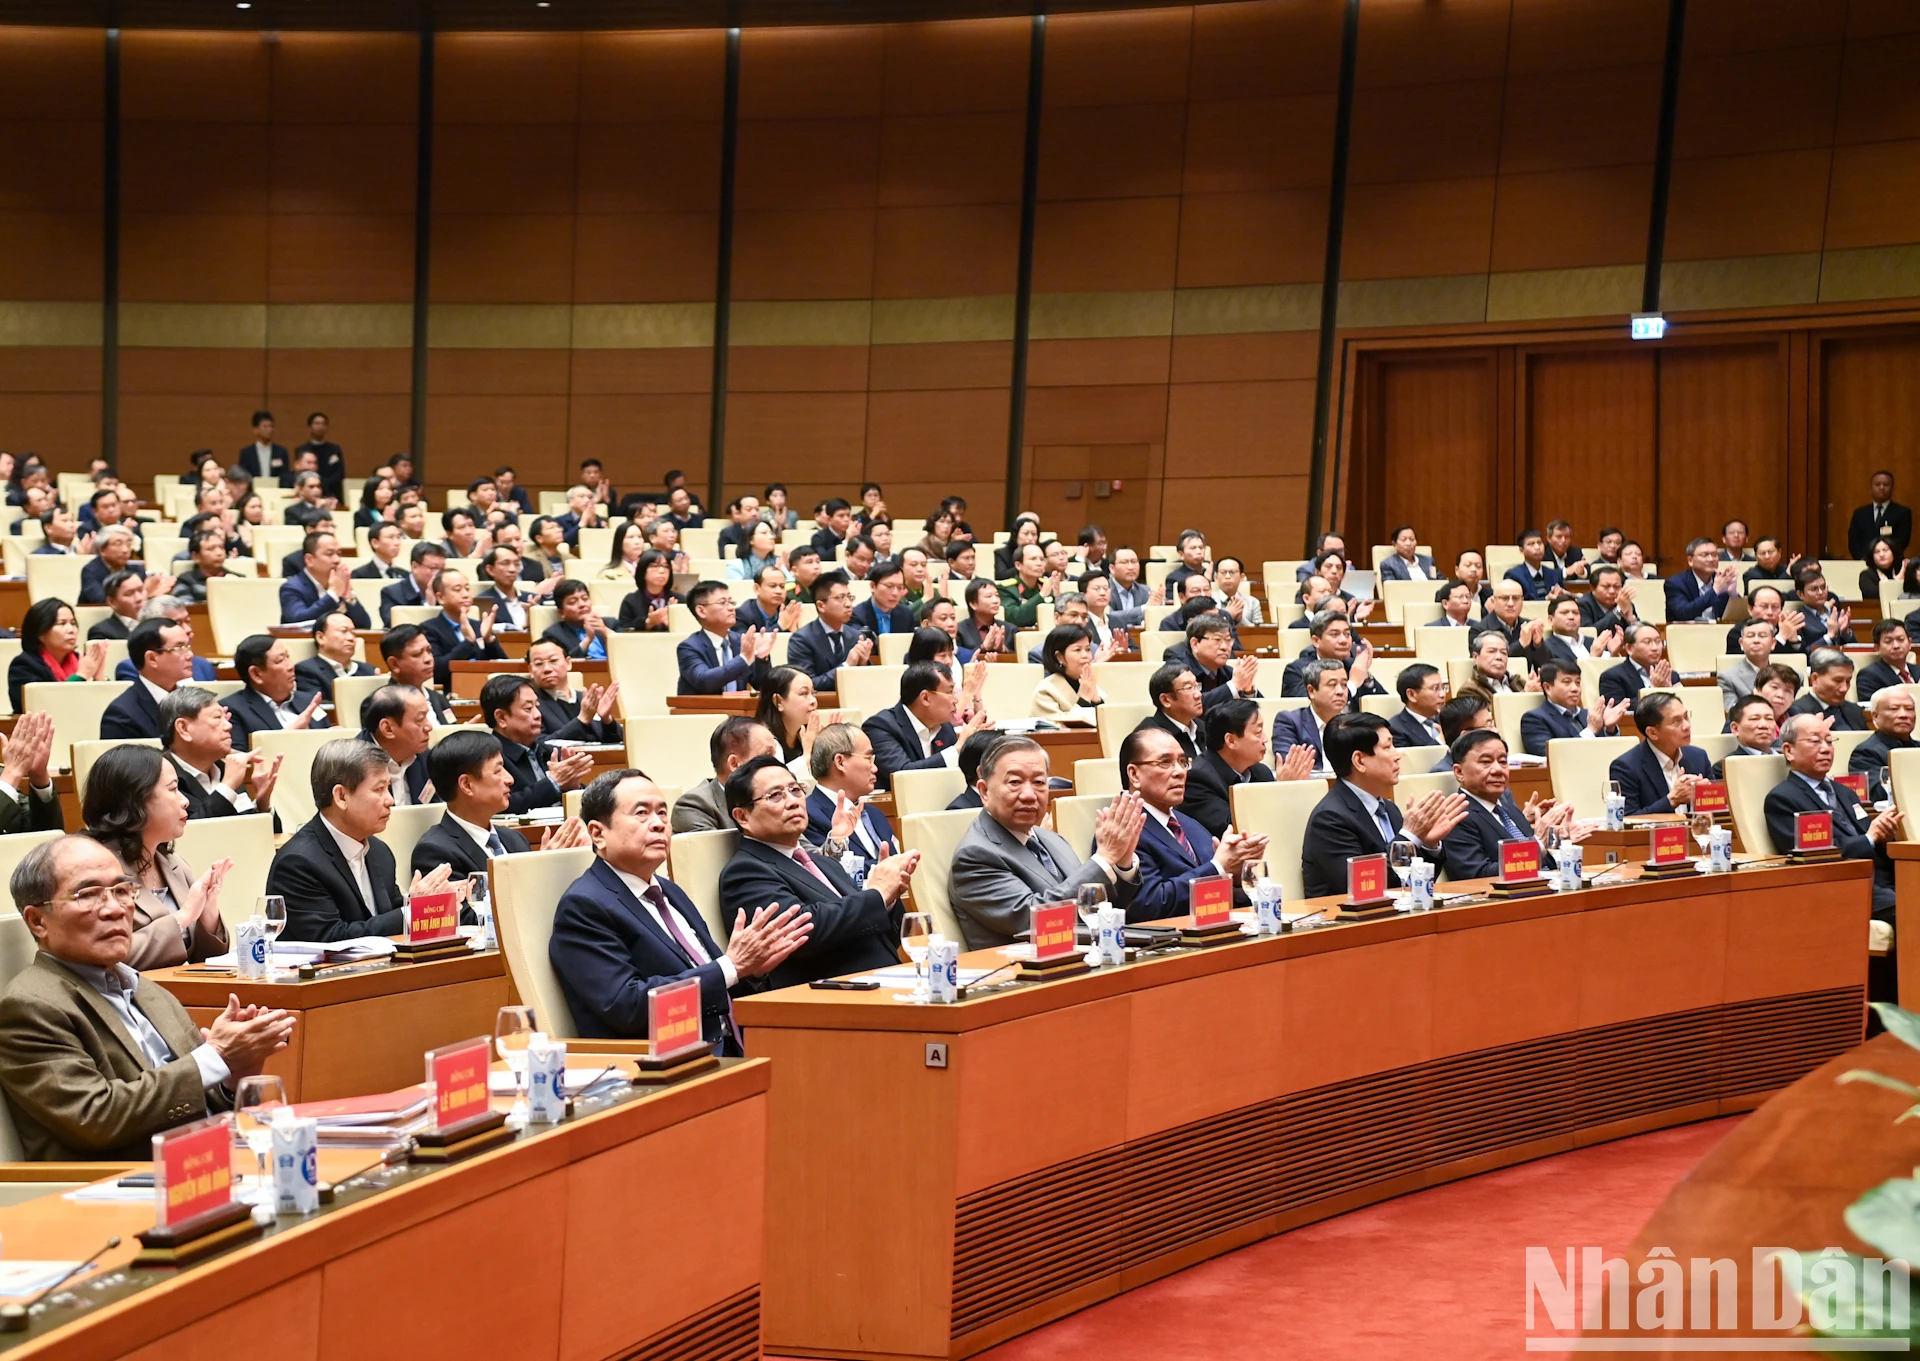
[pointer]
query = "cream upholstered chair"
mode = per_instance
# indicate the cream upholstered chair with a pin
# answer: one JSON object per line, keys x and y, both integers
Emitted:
{"x": 1073, "y": 818}
{"x": 1101, "y": 776}
{"x": 85, "y": 753}
{"x": 76, "y": 707}
{"x": 293, "y": 791}
{"x": 405, "y": 826}
{"x": 1507, "y": 710}
{"x": 1279, "y": 811}
{"x": 675, "y": 749}
{"x": 1124, "y": 682}
{"x": 926, "y": 791}
{"x": 349, "y": 693}
{"x": 1578, "y": 768}
{"x": 936, "y": 836}
{"x": 55, "y": 576}
{"x": 698, "y": 858}
{"x": 238, "y": 607}
{"x": 247, "y": 840}
{"x": 1749, "y": 780}
{"x": 871, "y": 689}
{"x": 1114, "y": 721}
{"x": 1695, "y": 647}
{"x": 644, "y": 665}
{"x": 526, "y": 892}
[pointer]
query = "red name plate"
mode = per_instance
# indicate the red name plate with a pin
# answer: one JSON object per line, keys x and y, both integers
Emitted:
{"x": 673, "y": 1018}
{"x": 1857, "y": 783}
{"x": 1211, "y": 900}
{"x": 1519, "y": 860}
{"x": 458, "y": 1073}
{"x": 1812, "y": 831}
{"x": 1053, "y": 931}
{"x": 1710, "y": 796}
{"x": 432, "y": 916}
{"x": 1669, "y": 845}
{"x": 193, "y": 1171}
{"x": 1366, "y": 878}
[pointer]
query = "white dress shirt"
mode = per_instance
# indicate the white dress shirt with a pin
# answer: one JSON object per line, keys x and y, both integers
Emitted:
{"x": 638, "y": 888}
{"x": 356, "y": 854}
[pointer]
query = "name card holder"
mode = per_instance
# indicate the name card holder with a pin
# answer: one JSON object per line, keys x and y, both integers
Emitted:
{"x": 1367, "y": 896}
{"x": 464, "y": 1121}
{"x": 1056, "y": 952}
{"x": 433, "y": 921}
{"x": 1668, "y": 856}
{"x": 1210, "y": 901}
{"x": 1519, "y": 871}
{"x": 195, "y": 1214}
{"x": 675, "y": 1048}
{"x": 1813, "y": 839}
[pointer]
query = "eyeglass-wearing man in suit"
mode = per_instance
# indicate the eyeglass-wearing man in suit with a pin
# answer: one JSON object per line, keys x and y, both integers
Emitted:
{"x": 622, "y": 929}
{"x": 1174, "y": 849}
{"x": 1562, "y": 716}
{"x": 471, "y": 776}
{"x": 1472, "y": 849}
{"x": 918, "y": 732}
{"x": 1357, "y": 816}
{"x": 1007, "y": 863}
{"x": 94, "y": 1058}
{"x": 1658, "y": 775}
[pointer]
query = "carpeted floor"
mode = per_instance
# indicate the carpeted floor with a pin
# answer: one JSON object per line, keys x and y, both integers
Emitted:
{"x": 1437, "y": 1276}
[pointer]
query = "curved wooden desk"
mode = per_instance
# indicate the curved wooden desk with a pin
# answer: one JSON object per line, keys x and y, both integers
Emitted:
{"x": 1095, "y": 1133}
{"x": 632, "y": 1231}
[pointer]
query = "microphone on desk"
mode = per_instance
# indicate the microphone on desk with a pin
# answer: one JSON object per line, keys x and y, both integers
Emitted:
{"x": 13, "y": 1317}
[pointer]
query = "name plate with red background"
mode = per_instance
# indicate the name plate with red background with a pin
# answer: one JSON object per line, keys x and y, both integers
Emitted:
{"x": 458, "y": 1073}
{"x": 192, "y": 1172}
{"x": 1710, "y": 796}
{"x": 673, "y": 1018}
{"x": 1211, "y": 900}
{"x": 432, "y": 916}
{"x": 1669, "y": 846}
{"x": 1053, "y": 931}
{"x": 1813, "y": 832}
{"x": 1366, "y": 878}
{"x": 1519, "y": 861}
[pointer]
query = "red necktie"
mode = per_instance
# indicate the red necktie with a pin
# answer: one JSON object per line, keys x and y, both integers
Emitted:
{"x": 806, "y": 862}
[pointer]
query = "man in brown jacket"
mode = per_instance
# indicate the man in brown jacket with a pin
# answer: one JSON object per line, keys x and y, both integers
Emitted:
{"x": 94, "y": 1059}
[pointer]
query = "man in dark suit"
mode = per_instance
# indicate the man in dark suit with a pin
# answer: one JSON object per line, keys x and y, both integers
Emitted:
{"x": 471, "y": 778}
{"x": 560, "y": 704}
{"x": 1333, "y": 641}
{"x": 426, "y": 560}
{"x": 1406, "y": 562}
{"x": 1472, "y": 849}
{"x": 1357, "y": 817}
{"x": 623, "y": 929}
{"x": 163, "y": 658}
{"x": 336, "y": 647}
{"x": 1423, "y": 693}
{"x": 269, "y": 698}
{"x": 1562, "y": 716}
{"x": 1658, "y": 776}
{"x": 1891, "y": 713}
{"x": 1858, "y": 833}
{"x": 335, "y": 873}
{"x": 719, "y": 659}
{"x": 853, "y": 928}
{"x": 1208, "y": 654}
{"x": 454, "y": 636}
{"x": 196, "y": 732}
{"x": 383, "y": 562}
{"x": 1175, "y": 848}
{"x": 1891, "y": 645}
{"x": 1537, "y": 579}
{"x": 396, "y": 719}
{"x": 1829, "y": 674}
{"x": 844, "y": 774}
{"x": 1880, "y": 518}
{"x": 263, "y": 458}
{"x": 1643, "y": 667}
{"x": 410, "y": 662}
{"x": 1235, "y": 754}
{"x": 918, "y": 732}
{"x": 1177, "y": 703}
{"x": 1702, "y": 593}
{"x": 323, "y": 584}
{"x": 541, "y": 773}
{"x": 832, "y": 640}
{"x": 1326, "y": 699}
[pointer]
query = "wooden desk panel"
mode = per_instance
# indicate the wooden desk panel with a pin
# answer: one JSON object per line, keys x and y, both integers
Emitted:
{"x": 1095, "y": 1133}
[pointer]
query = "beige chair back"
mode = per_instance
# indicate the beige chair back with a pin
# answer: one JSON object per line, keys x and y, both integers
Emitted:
{"x": 526, "y": 891}
{"x": 247, "y": 840}
{"x": 1097, "y": 777}
{"x": 698, "y": 858}
{"x": 238, "y": 607}
{"x": 675, "y": 749}
{"x": 926, "y": 791}
{"x": 1114, "y": 721}
{"x": 85, "y": 753}
{"x": 349, "y": 693}
{"x": 1749, "y": 780}
{"x": 405, "y": 826}
{"x": 1073, "y": 818}
{"x": 1578, "y": 767}
{"x": 936, "y": 836}
{"x": 76, "y": 707}
{"x": 1279, "y": 811}
{"x": 293, "y": 791}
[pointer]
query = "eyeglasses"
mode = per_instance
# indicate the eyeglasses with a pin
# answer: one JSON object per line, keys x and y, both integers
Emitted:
{"x": 786, "y": 793}
{"x": 125, "y": 892}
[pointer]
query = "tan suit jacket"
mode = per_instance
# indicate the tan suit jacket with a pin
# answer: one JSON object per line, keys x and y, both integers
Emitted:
{"x": 76, "y": 1081}
{"x": 157, "y": 942}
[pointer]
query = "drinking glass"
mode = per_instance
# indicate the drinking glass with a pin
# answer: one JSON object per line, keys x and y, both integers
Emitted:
{"x": 513, "y": 1029}
{"x": 272, "y": 909}
{"x": 916, "y": 938}
{"x": 254, "y": 1101}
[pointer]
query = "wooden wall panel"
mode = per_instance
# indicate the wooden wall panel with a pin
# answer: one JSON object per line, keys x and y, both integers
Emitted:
{"x": 1589, "y": 441}
{"x": 1870, "y": 397}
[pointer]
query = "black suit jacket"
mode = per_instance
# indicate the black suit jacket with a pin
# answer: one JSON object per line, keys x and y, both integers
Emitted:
{"x": 1408, "y": 731}
{"x": 1641, "y": 781}
{"x": 1339, "y": 829}
{"x": 853, "y": 928}
{"x": 316, "y": 673}
{"x": 609, "y": 953}
{"x": 896, "y": 743}
{"x": 1863, "y": 529}
{"x": 1472, "y": 849}
{"x": 447, "y": 843}
{"x": 135, "y": 714}
{"x": 323, "y": 904}
{"x": 1794, "y": 795}
{"x": 449, "y": 647}
{"x": 253, "y": 713}
{"x": 1210, "y": 784}
{"x": 401, "y": 592}
{"x": 1846, "y": 715}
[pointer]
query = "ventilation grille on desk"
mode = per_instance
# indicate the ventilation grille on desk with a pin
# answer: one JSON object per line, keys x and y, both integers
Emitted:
{"x": 1041, "y": 1235}
{"x": 729, "y": 1331}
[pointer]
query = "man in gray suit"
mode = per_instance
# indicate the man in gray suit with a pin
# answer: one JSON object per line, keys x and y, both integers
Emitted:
{"x": 1406, "y": 562}
{"x": 736, "y": 741}
{"x": 1756, "y": 651}
{"x": 1007, "y": 863}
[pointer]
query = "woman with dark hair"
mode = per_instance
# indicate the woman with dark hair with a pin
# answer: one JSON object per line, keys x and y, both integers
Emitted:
{"x": 376, "y": 503}
{"x": 645, "y": 610}
{"x": 629, "y": 544}
{"x": 1068, "y": 690}
{"x": 1026, "y": 530}
{"x": 50, "y": 650}
{"x": 135, "y": 809}
{"x": 791, "y": 712}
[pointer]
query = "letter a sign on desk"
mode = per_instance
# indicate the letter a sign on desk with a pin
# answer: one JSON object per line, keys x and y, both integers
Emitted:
{"x": 673, "y": 1018}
